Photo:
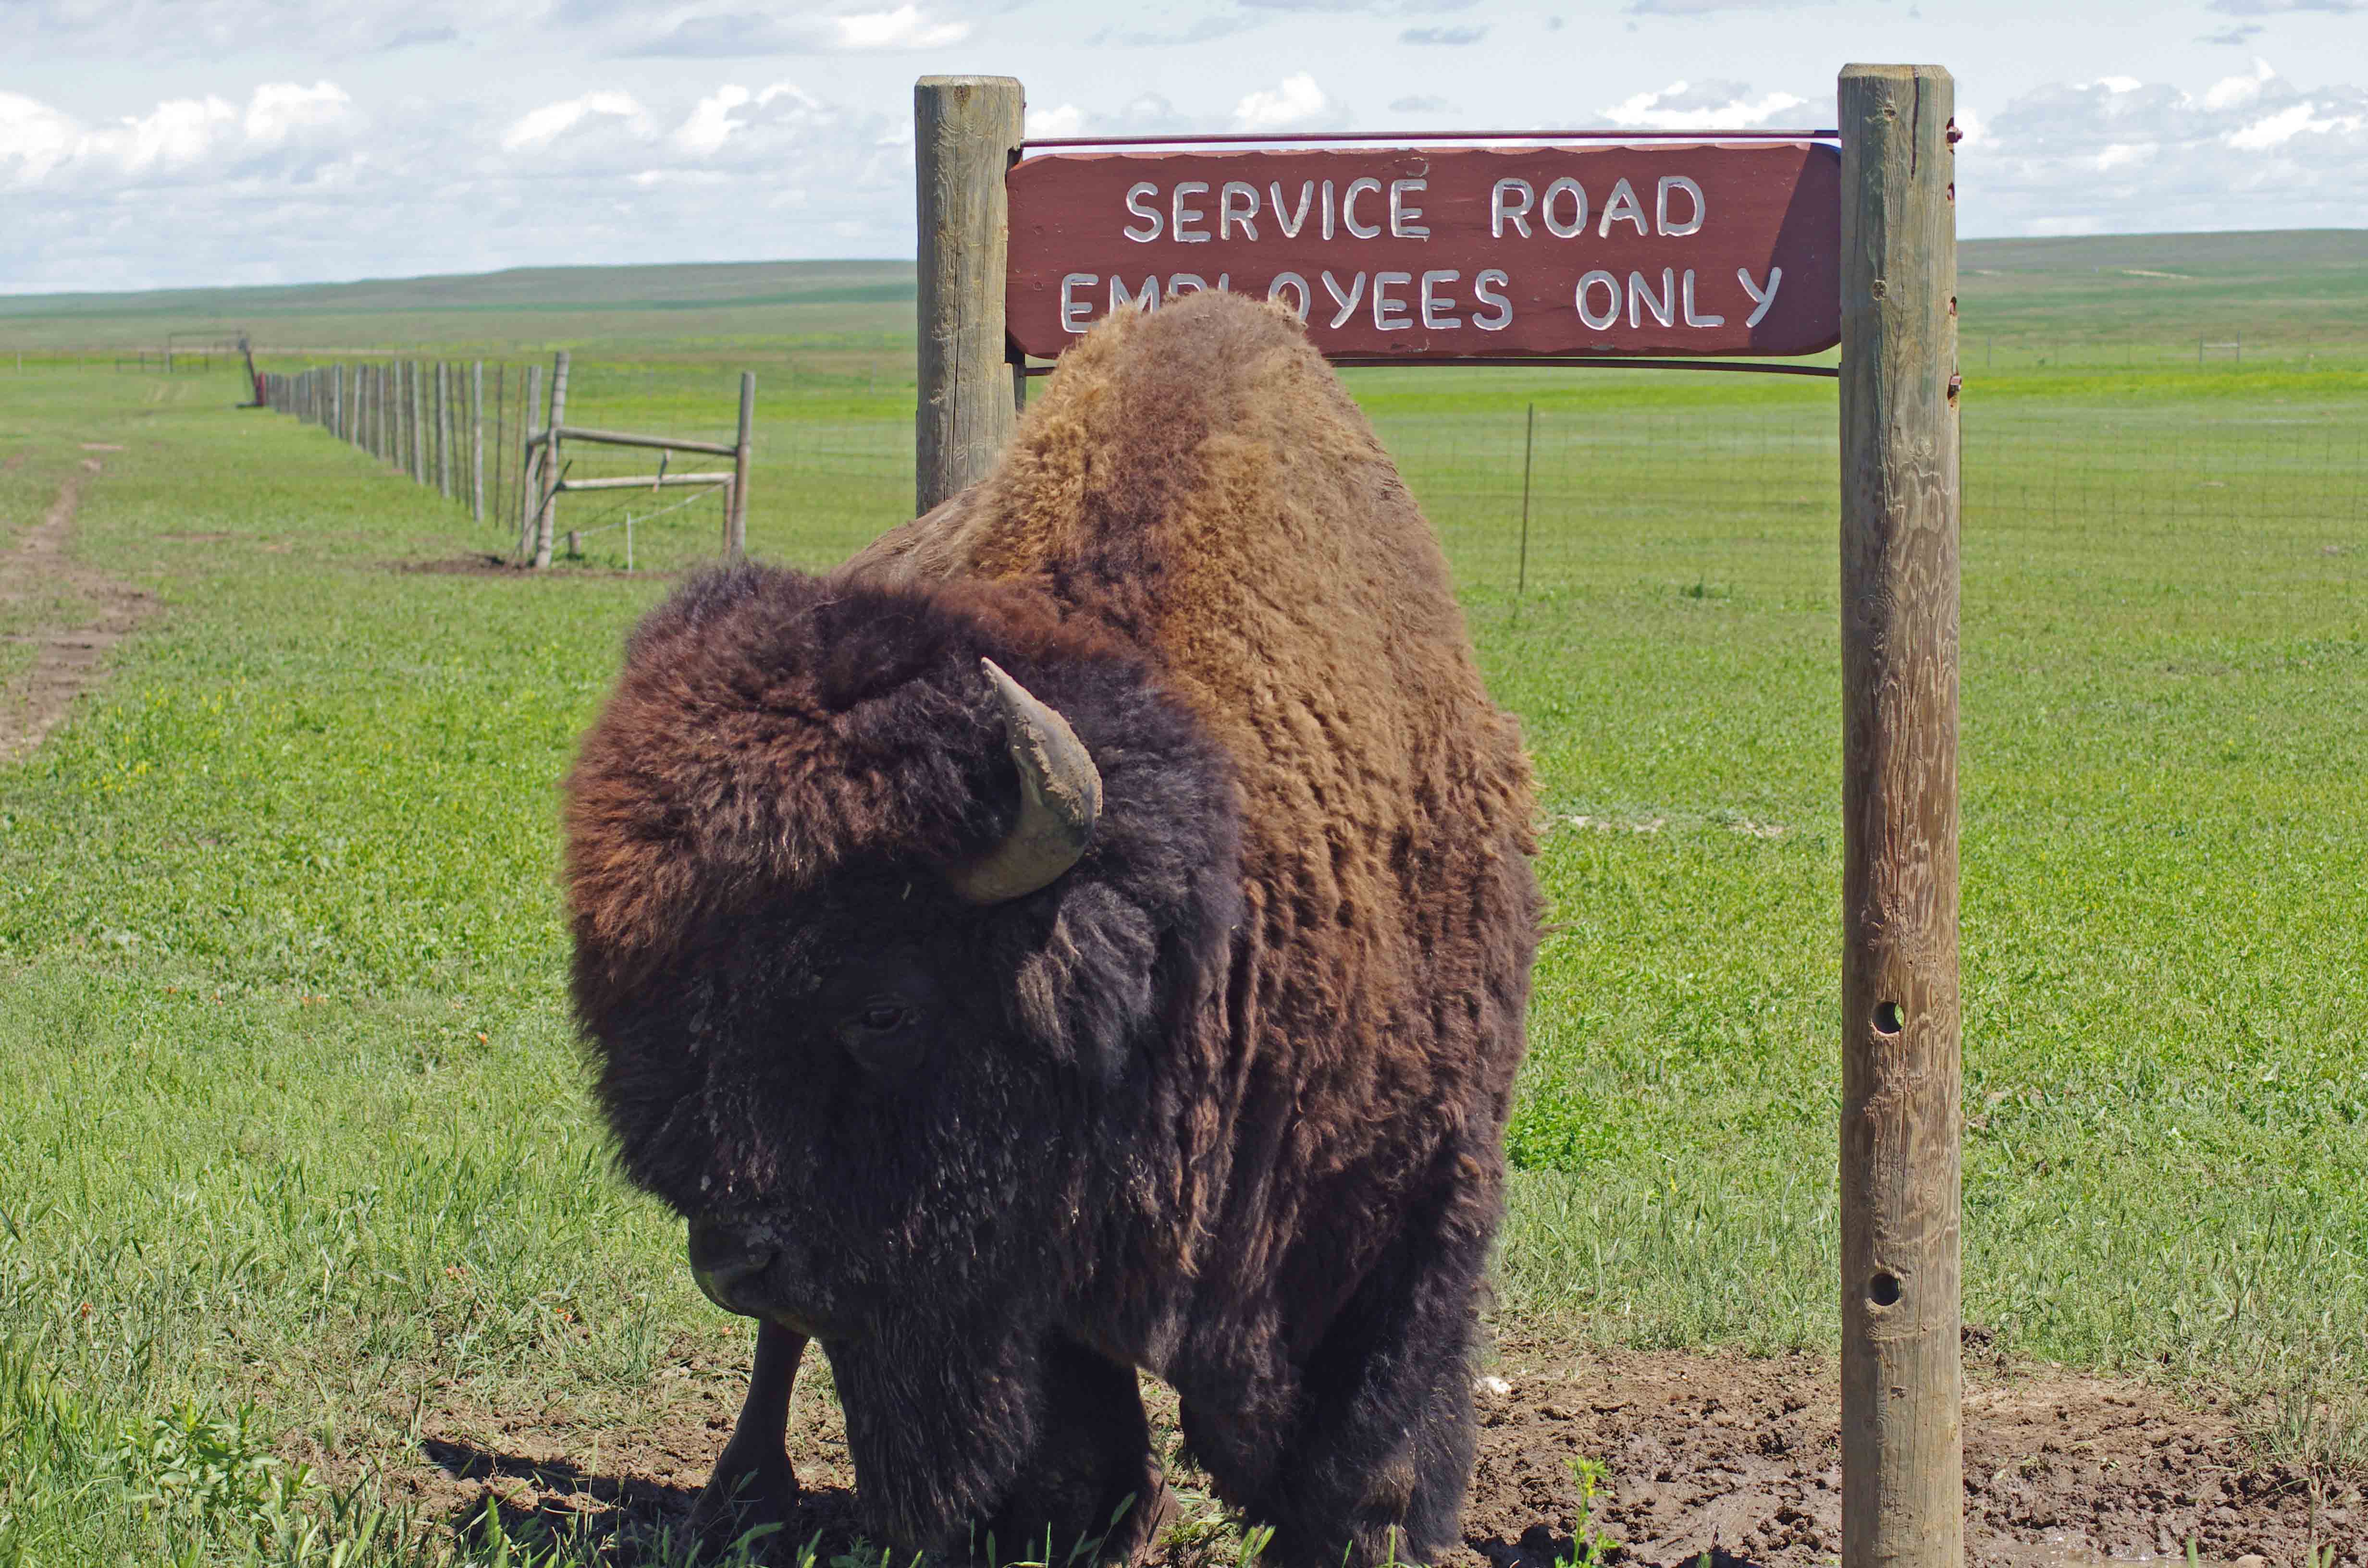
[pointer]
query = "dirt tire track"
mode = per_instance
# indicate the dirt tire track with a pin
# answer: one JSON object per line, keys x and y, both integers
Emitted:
{"x": 67, "y": 660}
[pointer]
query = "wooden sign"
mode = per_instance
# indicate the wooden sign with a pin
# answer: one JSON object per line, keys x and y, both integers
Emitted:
{"x": 1431, "y": 253}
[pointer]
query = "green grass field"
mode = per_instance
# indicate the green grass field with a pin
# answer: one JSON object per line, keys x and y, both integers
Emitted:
{"x": 295, "y": 1153}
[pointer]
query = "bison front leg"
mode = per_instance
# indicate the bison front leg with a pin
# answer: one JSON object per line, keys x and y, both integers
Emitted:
{"x": 752, "y": 1483}
{"x": 1092, "y": 1480}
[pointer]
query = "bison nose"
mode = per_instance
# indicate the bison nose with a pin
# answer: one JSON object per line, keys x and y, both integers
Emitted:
{"x": 725, "y": 1260}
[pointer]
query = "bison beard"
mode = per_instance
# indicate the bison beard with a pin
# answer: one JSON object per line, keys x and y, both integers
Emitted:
{"x": 1222, "y": 1100}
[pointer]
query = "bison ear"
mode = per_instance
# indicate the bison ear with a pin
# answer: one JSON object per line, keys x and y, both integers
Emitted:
{"x": 1060, "y": 800}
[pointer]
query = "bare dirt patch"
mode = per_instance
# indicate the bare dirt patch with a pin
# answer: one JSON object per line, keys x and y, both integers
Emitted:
{"x": 1723, "y": 1454}
{"x": 69, "y": 648}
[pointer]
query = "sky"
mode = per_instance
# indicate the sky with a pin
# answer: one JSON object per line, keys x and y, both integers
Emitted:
{"x": 157, "y": 143}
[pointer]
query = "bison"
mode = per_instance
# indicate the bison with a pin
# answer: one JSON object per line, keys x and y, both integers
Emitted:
{"x": 1088, "y": 933}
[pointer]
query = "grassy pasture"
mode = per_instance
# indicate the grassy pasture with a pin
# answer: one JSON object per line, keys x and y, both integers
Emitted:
{"x": 294, "y": 1120}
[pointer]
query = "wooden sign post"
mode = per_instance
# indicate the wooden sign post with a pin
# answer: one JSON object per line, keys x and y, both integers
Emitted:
{"x": 1903, "y": 1501}
{"x": 965, "y": 133}
{"x": 1603, "y": 248}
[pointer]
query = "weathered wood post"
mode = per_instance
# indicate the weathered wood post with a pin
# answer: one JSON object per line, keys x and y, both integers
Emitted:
{"x": 441, "y": 446}
{"x": 1903, "y": 1500}
{"x": 966, "y": 132}
{"x": 531, "y": 481}
{"x": 418, "y": 415}
{"x": 736, "y": 524}
{"x": 547, "y": 516}
{"x": 477, "y": 440}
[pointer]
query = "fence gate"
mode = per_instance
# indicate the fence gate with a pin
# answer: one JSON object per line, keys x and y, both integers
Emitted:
{"x": 1450, "y": 249}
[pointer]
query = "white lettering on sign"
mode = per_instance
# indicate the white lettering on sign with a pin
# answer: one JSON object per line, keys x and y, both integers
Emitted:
{"x": 1348, "y": 302}
{"x": 1607, "y": 298}
{"x": 1620, "y": 209}
{"x": 1402, "y": 217}
{"x": 1608, "y": 317}
{"x": 1291, "y": 225}
{"x": 1076, "y": 314}
{"x": 1179, "y": 214}
{"x": 1348, "y": 207}
{"x": 1578, "y": 222}
{"x": 1150, "y": 215}
{"x": 1237, "y": 204}
{"x": 1693, "y": 317}
{"x": 1434, "y": 309}
{"x": 1489, "y": 289}
{"x": 1661, "y": 206}
{"x": 1509, "y": 202}
{"x": 1760, "y": 300}
{"x": 1664, "y": 307}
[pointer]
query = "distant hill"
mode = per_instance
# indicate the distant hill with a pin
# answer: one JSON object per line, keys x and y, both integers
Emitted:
{"x": 2289, "y": 286}
{"x": 2282, "y": 286}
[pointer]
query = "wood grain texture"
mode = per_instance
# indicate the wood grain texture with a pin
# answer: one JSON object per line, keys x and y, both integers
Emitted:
{"x": 966, "y": 131}
{"x": 477, "y": 440}
{"x": 530, "y": 488}
{"x": 1901, "y": 1378}
{"x": 554, "y": 466}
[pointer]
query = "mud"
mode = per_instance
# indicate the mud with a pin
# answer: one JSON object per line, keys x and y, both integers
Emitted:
{"x": 1719, "y": 1454}
{"x": 94, "y": 613}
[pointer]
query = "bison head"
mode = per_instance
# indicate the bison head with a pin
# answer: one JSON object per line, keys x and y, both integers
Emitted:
{"x": 883, "y": 898}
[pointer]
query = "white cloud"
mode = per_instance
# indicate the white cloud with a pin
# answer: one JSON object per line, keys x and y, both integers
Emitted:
{"x": 711, "y": 124}
{"x": 1294, "y": 104}
{"x": 540, "y": 128}
{"x": 2292, "y": 121}
{"x": 907, "y": 26}
{"x": 2249, "y": 152}
{"x": 1707, "y": 106}
{"x": 280, "y": 108}
{"x": 2230, "y": 91}
{"x": 1068, "y": 120}
{"x": 179, "y": 135}
{"x": 741, "y": 34}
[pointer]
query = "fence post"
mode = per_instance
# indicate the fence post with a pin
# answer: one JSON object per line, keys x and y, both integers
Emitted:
{"x": 443, "y": 446}
{"x": 966, "y": 131}
{"x": 530, "y": 480}
{"x": 735, "y": 518}
{"x": 418, "y": 412}
{"x": 477, "y": 440}
{"x": 1903, "y": 1500}
{"x": 547, "y": 515}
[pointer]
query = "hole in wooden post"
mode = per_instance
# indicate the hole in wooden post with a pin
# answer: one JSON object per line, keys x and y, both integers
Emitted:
{"x": 1886, "y": 1017}
{"x": 1883, "y": 1289}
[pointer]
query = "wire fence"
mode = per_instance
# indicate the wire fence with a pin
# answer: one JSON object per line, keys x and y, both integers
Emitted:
{"x": 457, "y": 426}
{"x": 1646, "y": 491}
{"x": 1525, "y": 500}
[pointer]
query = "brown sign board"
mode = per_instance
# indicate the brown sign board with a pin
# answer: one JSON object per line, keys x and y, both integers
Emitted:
{"x": 1431, "y": 253}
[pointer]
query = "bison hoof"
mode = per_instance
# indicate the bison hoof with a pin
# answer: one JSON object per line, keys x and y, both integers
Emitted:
{"x": 746, "y": 1490}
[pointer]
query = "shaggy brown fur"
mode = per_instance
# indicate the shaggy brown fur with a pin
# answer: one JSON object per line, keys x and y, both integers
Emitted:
{"x": 1226, "y": 1101}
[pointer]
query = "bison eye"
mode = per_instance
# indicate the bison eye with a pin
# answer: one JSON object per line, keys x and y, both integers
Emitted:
{"x": 883, "y": 1012}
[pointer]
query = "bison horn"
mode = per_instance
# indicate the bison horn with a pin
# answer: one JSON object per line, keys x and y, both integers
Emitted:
{"x": 1060, "y": 799}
